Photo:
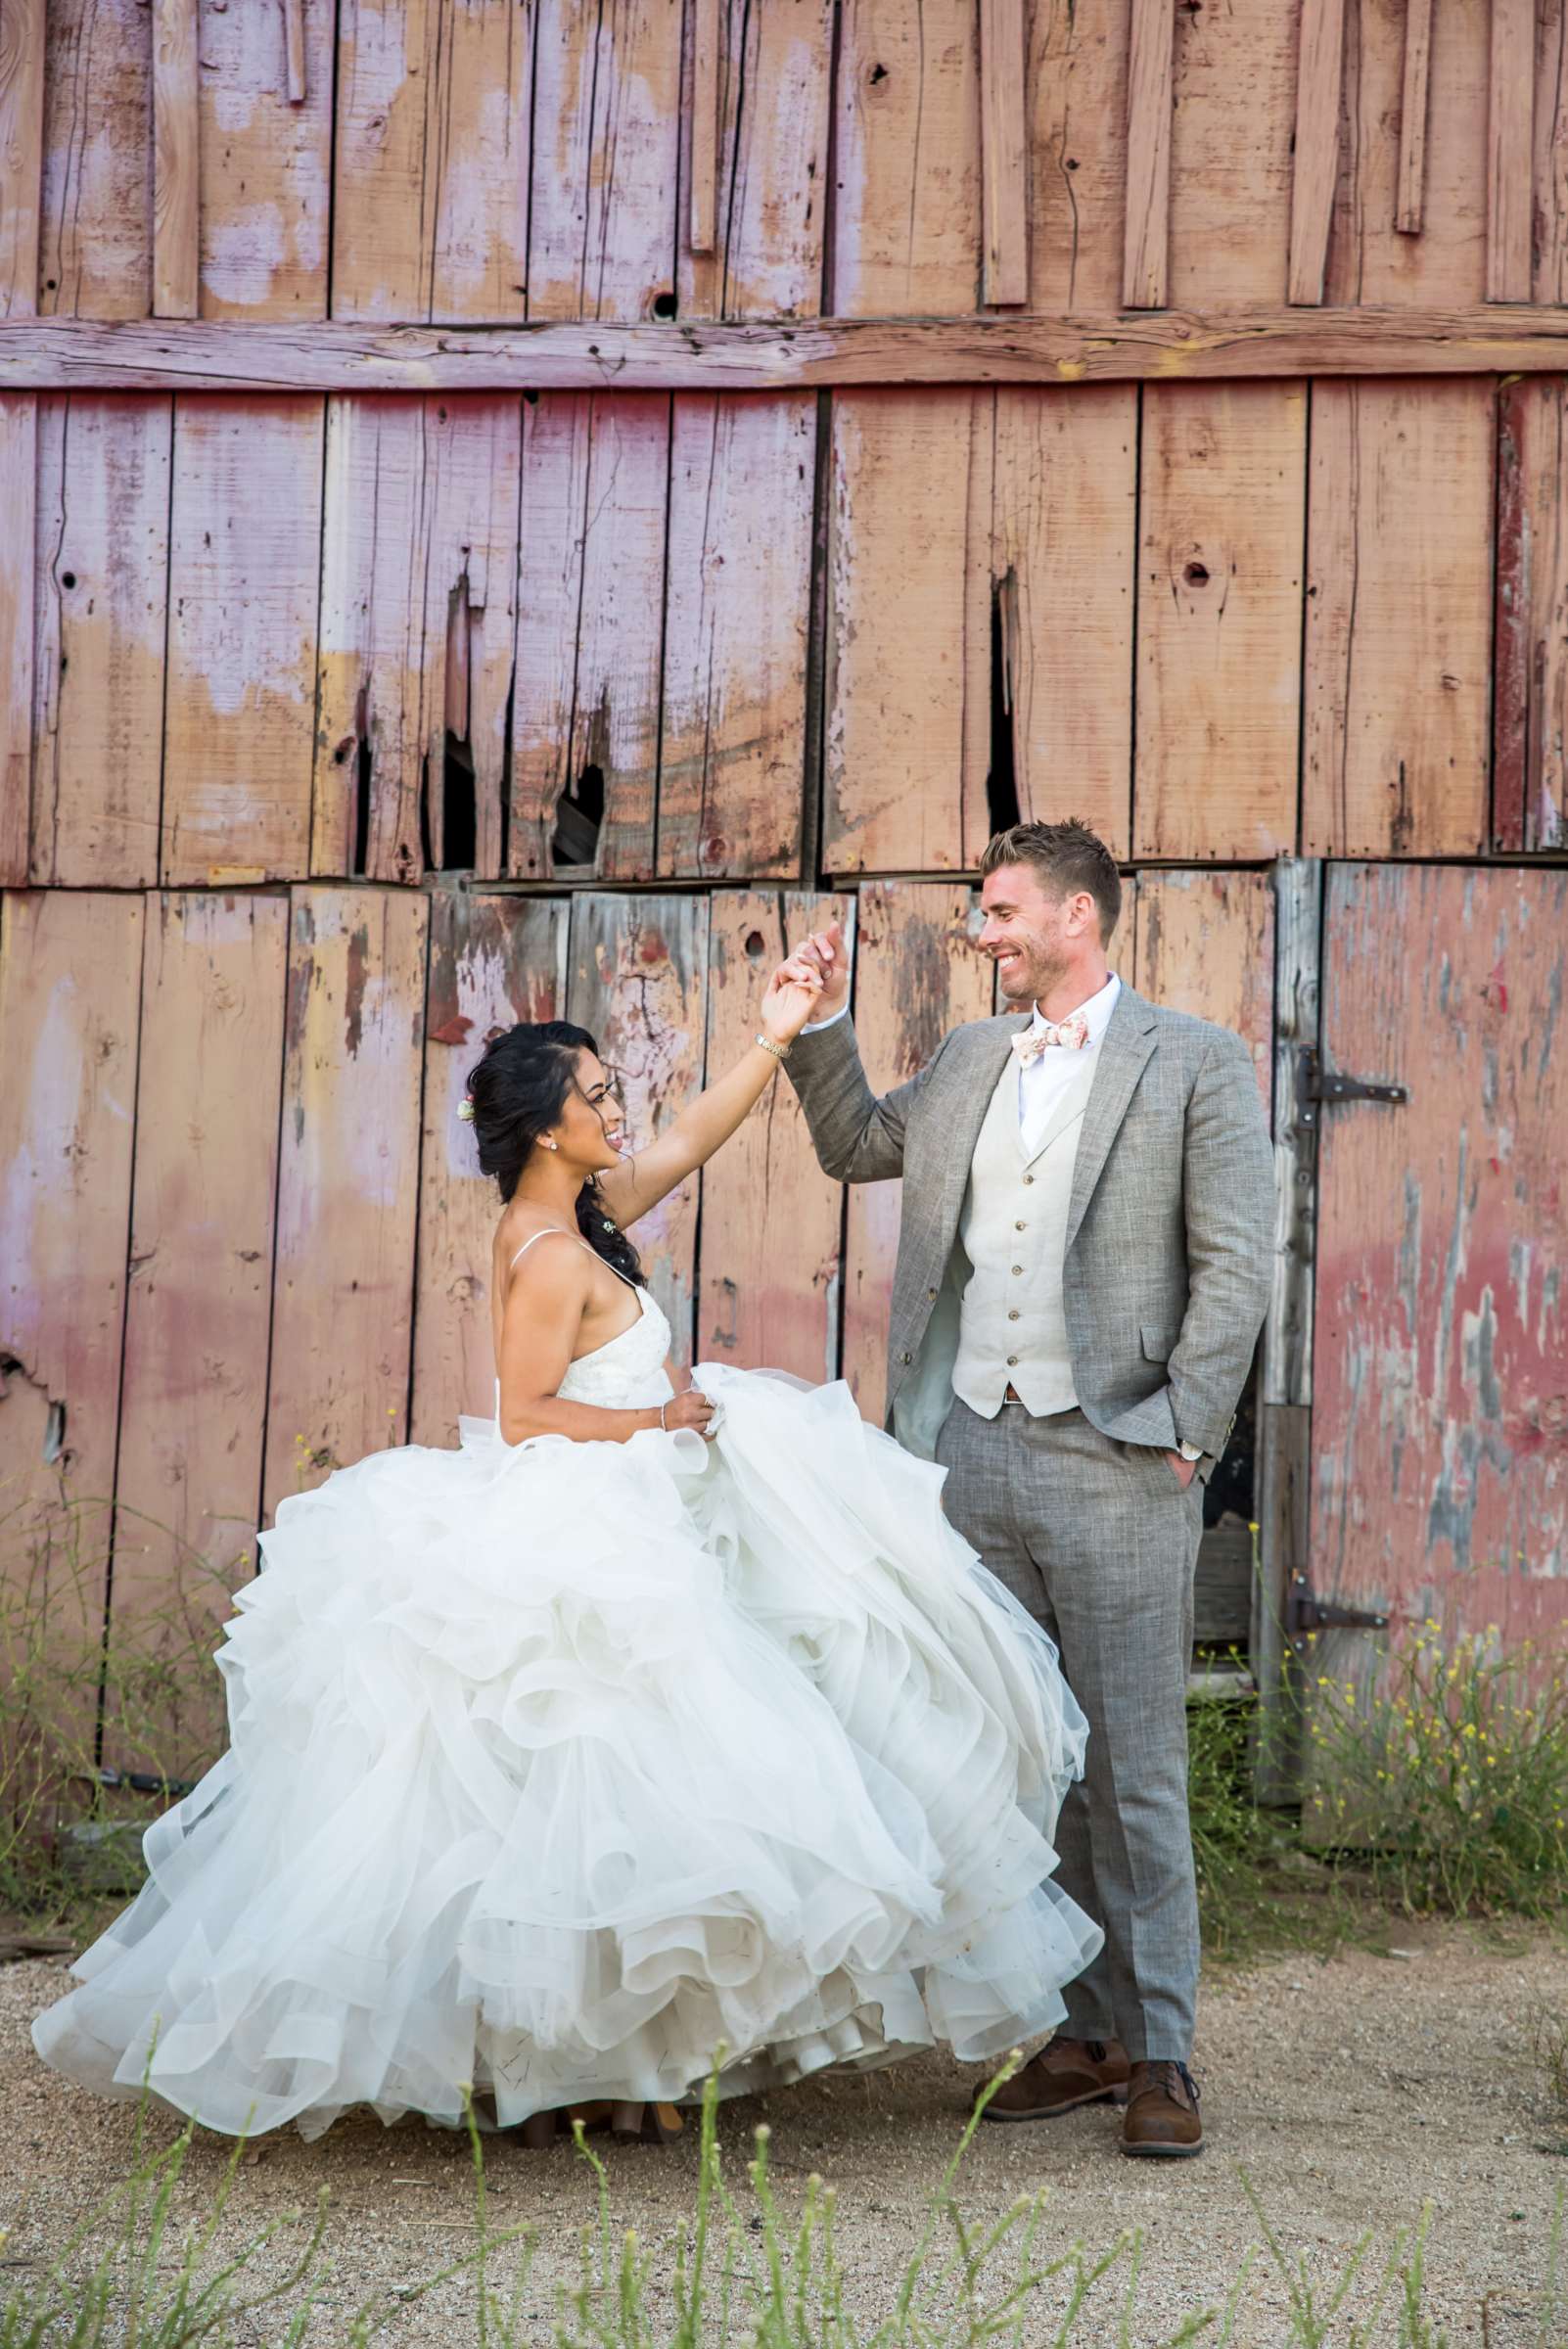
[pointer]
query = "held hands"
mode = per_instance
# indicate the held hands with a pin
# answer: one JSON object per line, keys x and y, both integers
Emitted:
{"x": 820, "y": 966}
{"x": 794, "y": 996}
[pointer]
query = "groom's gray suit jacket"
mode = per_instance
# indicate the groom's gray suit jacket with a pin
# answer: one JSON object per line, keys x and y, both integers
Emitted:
{"x": 1169, "y": 1227}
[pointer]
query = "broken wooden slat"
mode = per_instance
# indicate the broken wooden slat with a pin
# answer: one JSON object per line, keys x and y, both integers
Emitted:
{"x": 745, "y": 355}
{"x": 1061, "y": 567}
{"x": 70, "y": 981}
{"x": 906, "y": 194}
{"x": 917, "y": 973}
{"x": 176, "y": 165}
{"x": 1409, "y": 207}
{"x": 421, "y": 509}
{"x": 1442, "y": 1264}
{"x": 1205, "y": 945}
{"x": 908, "y": 684}
{"x": 198, "y": 1306}
{"x": 1371, "y": 261}
{"x": 585, "y": 720}
{"x": 1146, "y": 251}
{"x": 1319, "y": 86}
{"x": 1510, "y": 148}
{"x": 1399, "y": 619}
{"x": 96, "y": 245}
{"x": 493, "y": 960}
{"x": 1075, "y": 93}
{"x": 705, "y": 33}
{"x": 771, "y": 1262}
{"x": 1005, "y": 152}
{"x": 1530, "y": 691}
{"x": 431, "y": 178}
{"x": 265, "y": 150}
{"x": 1234, "y": 94}
{"x": 637, "y": 982}
{"x": 776, "y": 75}
{"x": 21, "y": 127}
{"x": 1219, "y": 614}
{"x": 102, "y": 597}
{"x": 241, "y": 693}
{"x": 603, "y": 228}
{"x": 342, "y": 1288}
{"x": 19, "y": 469}
{"x": 732, "y": 775}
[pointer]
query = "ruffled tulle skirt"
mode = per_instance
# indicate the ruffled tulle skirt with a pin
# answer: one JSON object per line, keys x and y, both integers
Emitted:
{"x": 556, "y": 1768}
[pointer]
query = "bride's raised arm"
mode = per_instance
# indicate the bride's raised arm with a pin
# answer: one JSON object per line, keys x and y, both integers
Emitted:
{"x": 643, "y": 1178}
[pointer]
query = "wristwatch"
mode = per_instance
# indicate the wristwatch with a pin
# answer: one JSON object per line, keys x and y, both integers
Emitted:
{"x": 1190, "y": 1452}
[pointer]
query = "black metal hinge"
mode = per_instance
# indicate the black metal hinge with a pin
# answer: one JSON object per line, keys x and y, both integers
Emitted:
{"x": 1306, "y": 1612}
{"x": 1315, "y": 1085}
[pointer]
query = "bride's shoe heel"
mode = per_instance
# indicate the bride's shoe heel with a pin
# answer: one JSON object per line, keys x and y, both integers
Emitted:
{"x": 538, "y": 2131}
{"x": 625, "y": 2120}
{"x": 664, "y": 2123}
{"x": 659, "y": 2122}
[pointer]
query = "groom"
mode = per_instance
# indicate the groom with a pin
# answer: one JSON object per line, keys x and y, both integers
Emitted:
{"x": 1083, "y": 1271}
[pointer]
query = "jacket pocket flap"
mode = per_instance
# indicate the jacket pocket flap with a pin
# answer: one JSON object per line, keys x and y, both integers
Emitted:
{"x": 1158, "y": 1343}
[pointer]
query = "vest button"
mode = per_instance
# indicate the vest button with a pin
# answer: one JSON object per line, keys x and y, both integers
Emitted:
{"x": 1018, "y": 1267}
{"x": 1018, "y": 1228}
{"x": 1012, "y": 1361}
{"x": 1013, "y": 1314}
{"x": 1029, "y": 1177}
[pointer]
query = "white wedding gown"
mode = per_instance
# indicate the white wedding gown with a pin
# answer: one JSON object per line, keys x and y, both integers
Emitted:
{"x": 557, "y": 1766}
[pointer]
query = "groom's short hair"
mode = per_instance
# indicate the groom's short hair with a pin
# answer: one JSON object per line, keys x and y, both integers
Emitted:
{"x": 1067, "y": 857}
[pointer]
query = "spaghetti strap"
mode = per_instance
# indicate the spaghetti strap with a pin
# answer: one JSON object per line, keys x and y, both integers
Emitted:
{"x": 544, "y": 1234}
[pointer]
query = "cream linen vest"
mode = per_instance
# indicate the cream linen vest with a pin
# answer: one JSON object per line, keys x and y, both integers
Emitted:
{"x": 1012, "y": 1327}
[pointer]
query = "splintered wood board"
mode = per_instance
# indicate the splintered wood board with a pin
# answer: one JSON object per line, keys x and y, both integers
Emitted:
{"x": 1529, "y": 716}
{"x": 1235, "y": 87}
{"x": 771, "y": 112}
{"x": 771, "y": 1258}
{"x": 21, "y": 127}
{"x": 917, "y": 973}
{"x": 342, "y": 1291}
{"x": 1204, "y": 942}
{"x": 18, "y": 547}
{"x": 605, "y": 157}
{"x": 493, "y": 960}
{"x": 265, "y": 161}
{"x": 1076, "y": 85}
{"x": 95, "y": 255}
{"x": 906, "y": 226}
{"x": 1368, "y": 259}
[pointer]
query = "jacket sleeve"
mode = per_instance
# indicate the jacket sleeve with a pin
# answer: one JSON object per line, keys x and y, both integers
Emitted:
{"x": 1229, "y": 1200}
{"x": 858, "y": 1137}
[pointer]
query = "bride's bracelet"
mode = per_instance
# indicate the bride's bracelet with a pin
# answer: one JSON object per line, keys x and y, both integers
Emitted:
{"x": 662, "y": 1408}
{"x": 779, "y": 1051}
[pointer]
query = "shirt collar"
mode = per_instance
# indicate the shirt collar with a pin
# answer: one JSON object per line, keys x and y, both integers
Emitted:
{"x": 1097, "y": 1011}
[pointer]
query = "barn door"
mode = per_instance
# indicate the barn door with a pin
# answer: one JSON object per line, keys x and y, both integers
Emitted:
{"x": 1439, "y": 1374}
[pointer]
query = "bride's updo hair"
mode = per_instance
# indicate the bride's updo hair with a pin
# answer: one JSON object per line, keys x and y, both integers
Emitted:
{"x": 519, "y": 1090}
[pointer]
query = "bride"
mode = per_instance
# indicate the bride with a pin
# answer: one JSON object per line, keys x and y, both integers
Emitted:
{"x": 661, "y": 1717}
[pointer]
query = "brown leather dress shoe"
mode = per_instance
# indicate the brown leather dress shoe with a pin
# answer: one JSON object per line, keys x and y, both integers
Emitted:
{"x": 1162, "y": 2121}
{"x": 1065, "y": 2074}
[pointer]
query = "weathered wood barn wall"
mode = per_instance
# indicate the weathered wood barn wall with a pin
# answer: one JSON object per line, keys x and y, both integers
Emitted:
{"x": 516, "y": 506}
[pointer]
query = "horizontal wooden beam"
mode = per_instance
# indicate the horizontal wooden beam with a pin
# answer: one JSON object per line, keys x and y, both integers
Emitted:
{"x": 70, "y": 354}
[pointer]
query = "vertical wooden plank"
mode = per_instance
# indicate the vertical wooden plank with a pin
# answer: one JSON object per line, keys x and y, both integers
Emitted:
{"x": 244, "y": 584}
{"x": 1233, "y": 74}
{"x": 917, "y": 973}
{"x": 1076, "y": 82}
{"x": 1205, "y": 945}
{"x": 1411, "y": 199}
{"x": 1219, "y": 620}
{"x": 21, "y": 127}
{"x": 906, "y": 222}
{"x": 1510, "y": 155}
{"x": 430, "y": 188}
{"x": 19, "y": 469}
{"x": 1551, "y": 109}
{"x": 1530, "y": 691}
{"x": 741, "y": 475}
{"x": 1436, "y": 1486}
{"x": 197, "y": 1311}
{"x": 1369, "y": 260}
{"x": 908, "y": 657}
{"x": 96, "y": 247}
{"x": 493, "y": 960}
{"x": 776, "y": 71}
{"x": 69, "y": 980}
{"x": 1146, "y": 251}
{"x": 606, "y": 162}
{"x": 771, "y": 1265}
{"x": 348, "y": 1182}
{"x": 100, "y": 609}
{"x": 1398, "y": 618}
{"x": 1065, "y": 503}
{"x": 590, "y": 590}
{"x": 704, "y": 167}
{"x": 638, "y": 984}
{"x": 265, "y": 144}
{"x": 176, "y": 165}
{"x": 1319, "y": 81}
{"x": 1005, "y": 152}
{"x": 421, "y": 522}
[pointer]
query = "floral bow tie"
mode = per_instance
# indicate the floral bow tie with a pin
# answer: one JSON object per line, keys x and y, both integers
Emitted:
{"x": 1071, "y": 1033}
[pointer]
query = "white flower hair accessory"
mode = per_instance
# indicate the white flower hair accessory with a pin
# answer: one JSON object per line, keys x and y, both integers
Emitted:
{"x": 465, "y": 1109}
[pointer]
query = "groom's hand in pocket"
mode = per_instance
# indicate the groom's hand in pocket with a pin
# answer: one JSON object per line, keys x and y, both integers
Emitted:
{"x": 1183, "y": 1470}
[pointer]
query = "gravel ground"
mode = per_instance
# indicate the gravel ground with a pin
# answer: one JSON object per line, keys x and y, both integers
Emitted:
{"x": 1351, "y": 2090}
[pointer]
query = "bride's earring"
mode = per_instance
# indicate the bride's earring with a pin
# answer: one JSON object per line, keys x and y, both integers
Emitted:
{"x": 549, "y": 1144}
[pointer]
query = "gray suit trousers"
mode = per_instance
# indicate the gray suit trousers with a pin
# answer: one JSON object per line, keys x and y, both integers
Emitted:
{"x": 1100, "y": 1543}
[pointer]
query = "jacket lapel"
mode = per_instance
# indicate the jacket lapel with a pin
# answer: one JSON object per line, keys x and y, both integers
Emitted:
{"x": 1123, "y": 1056}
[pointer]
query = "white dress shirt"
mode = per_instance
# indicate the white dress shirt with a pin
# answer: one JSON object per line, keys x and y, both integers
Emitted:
{"x": 1042, "y": 1080}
